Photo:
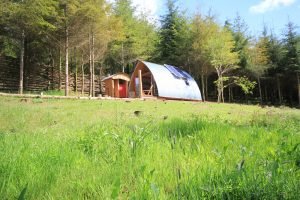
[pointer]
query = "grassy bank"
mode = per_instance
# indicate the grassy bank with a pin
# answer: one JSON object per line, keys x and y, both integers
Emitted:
{"x": 80, "y": 149}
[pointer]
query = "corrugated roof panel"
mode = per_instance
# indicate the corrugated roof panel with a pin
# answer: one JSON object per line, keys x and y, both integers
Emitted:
{"x": 170, "y": 87}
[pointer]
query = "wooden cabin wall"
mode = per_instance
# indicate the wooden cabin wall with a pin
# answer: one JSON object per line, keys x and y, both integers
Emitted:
{"x": 116, "y": 89}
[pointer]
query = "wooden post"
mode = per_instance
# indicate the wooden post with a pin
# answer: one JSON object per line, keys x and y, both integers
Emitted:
{"x": 112, "y": 88}
{"x": 116, "y": 88}
{"x": 126, "y": 88}
{"x": 140, "y": 84}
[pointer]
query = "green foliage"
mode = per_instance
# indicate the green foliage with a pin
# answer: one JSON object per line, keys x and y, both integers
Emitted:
{"x": 136, "y": 40}
{"x": 219, "y": 50}
{"x": 201, "y": 29}
{"x": 102, "y": 150}
{"x": 243, "y": 82}
{"x": 246, "y": 85}
{"x": 9, "y": 47}
{"x": 259, "y": 58}
{"x": 174, "y": 37}
{"x": 241, "y": 39}
{"x": 292, "y": 54}
{"x": 275, "y": 52}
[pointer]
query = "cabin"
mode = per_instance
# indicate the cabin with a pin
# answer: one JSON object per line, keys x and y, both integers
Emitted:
{"x": 116, "y": 85}
{"x": 162, "y": 81}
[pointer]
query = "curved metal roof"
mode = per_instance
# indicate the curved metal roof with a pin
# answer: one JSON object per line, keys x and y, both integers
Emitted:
{"x": 171, "y": 87}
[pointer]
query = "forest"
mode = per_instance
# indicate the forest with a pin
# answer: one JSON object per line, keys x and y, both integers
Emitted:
{"x": 75, "y": 43}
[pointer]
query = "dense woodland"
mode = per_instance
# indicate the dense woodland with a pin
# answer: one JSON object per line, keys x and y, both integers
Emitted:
{"x": 80, "y": 41}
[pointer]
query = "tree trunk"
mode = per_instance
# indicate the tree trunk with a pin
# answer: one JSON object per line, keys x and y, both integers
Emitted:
{"x": 90, "y": 62}
{"x": 100, "y": 82}
{"x": 260, "y": 93}
{"x": 279, "y": 90}
{"x": 82, "y": 71}
{"x": 21, "y": 81}
{"x": 75, "y": 63}
{"x": 67, "y": 55}
{"x": 60, "y": 66}
{"x": 203, "y": 87}
{"x": 93, "y": 64}
{"x": 222, "y": 88}
{"x": 206, "y": 94}
{"x": 298, "y": 80}
{"x": 52, "y": 73}
{"x": 219, "y": 87}
{"x": 123, "y": 67}
{"x": 219, "y": 92}
{"x": 266, "y": 94}
{"x": 229, "y": 94}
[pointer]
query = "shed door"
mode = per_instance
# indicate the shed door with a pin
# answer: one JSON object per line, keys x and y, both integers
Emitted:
{"x": 122, "y": 89}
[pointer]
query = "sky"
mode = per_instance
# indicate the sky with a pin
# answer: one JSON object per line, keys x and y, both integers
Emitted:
{"x": 273, "y": 13}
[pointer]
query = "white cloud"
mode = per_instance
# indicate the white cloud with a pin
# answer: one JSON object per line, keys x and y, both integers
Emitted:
{"x": 146, "y": 6}
{"x": 267, "y": 5}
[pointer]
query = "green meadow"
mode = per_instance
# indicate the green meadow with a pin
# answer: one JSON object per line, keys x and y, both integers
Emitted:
{"x": 101, "y": 149}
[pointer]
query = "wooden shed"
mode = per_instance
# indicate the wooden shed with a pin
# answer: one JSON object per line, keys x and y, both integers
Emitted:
{"x": 117, "y": 85}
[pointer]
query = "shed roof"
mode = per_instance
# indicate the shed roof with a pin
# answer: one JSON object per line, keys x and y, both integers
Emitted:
{"x": 170, "y": 86}
{"x": 122, "y": 76}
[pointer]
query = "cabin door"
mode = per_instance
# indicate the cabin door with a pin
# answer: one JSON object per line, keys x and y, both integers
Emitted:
{"x": 137, "y": 87}
{"x": 123, "y": 89}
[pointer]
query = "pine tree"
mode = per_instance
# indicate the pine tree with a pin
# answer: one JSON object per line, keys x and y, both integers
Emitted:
{"x": 291, "y": 58}
{"x": 170, "y": 43}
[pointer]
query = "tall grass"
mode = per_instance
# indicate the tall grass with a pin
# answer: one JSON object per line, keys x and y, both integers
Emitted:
{"x": 70, "y": 149}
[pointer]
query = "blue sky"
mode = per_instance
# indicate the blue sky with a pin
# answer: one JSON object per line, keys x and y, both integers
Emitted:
{"x": 274, "y": 13}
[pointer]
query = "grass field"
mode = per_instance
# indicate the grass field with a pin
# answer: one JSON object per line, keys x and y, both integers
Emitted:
{"x": 81, "y": 149}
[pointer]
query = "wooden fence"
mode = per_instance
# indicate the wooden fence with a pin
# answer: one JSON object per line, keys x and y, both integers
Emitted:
{"x": 39, "y": 78}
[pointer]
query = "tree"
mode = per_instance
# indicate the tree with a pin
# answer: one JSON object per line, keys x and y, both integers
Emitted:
{"x": 241, "y": 40}
{"x": 201, "y": 29}
{"x": 90, "y": 26}
{"x": 291, "y": 58}
{"x": 275, "y": 54}
{"x": 259, "y": 59}
{"x": 25, "y": 20}
{"x": 172, "y": 36}
{"x": 136, "y": 38}
{"x": 219, "y": 51}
